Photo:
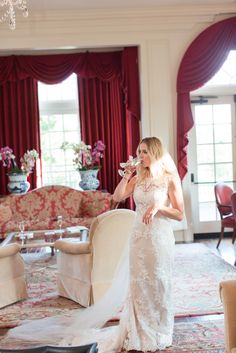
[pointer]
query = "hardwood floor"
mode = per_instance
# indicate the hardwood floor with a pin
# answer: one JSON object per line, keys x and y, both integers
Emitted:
{"x": 226, "y": 251}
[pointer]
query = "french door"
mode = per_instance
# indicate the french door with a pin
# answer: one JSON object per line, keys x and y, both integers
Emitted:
{"x": 212, "y": 158}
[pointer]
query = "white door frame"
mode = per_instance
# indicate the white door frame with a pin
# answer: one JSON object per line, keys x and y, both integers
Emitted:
{"x": 211, "y": 226}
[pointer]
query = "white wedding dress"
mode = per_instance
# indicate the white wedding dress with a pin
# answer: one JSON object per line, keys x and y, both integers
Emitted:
{"x": 146, "y": 318}
{"x": 149, "y": 307}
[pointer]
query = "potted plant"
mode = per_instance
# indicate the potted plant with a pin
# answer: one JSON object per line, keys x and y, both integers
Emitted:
{"x": 87, "y": 162}
{"x": 18, "y": 183}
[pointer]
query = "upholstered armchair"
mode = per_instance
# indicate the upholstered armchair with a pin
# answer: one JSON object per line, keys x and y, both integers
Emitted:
{"x": 228, "y": 297}
{"x": 12, "y": 275}
{"x": 86, "y": 269}
{"x": 223, "y": 194}
{"x": 233, "y": 205}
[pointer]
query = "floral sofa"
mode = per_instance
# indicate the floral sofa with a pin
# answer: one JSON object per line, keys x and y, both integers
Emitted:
{"x": 39, "y": 208}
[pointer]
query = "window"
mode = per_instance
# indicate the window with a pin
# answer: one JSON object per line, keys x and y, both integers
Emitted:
{"x": 59, "y": 122}
{"x": 227, "y": 73}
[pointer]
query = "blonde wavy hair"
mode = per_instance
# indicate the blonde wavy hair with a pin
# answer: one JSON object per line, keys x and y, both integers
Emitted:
{"x": 155, "y": 151}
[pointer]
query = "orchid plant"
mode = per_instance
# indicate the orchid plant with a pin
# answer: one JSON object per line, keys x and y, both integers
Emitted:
{"x": 86, "y": 157}
{"x": 9, "y": 160}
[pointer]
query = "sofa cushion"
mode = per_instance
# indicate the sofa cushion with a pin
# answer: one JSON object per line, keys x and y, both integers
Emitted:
{"x": 94, "y": 203}
{"x": 5, "y": 213}
{"x": 65, "y": 202}
{"x": 45, "y": 202}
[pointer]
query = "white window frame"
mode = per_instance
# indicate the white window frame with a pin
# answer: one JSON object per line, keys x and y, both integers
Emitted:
{"x": 61, "y": 107}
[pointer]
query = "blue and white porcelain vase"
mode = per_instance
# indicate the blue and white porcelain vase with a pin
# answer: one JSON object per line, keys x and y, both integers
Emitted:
{"x": 18, "y": 183}
{"x": 89, "y": 180}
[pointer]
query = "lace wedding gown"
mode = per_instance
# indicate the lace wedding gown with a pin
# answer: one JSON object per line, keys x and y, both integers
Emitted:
{"x": 146, "y": 322}
{"x": 149, "y": 305}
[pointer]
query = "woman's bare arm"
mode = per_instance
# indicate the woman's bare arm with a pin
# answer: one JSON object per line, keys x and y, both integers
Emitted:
{"x": 124, "y": 189}
{"x": 176, "y": 198}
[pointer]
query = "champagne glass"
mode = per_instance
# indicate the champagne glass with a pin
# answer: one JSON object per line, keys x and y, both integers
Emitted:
{"x": 59, "y": 223}
{"x": 132, "y": 162}
{"x": 22, "y": 228}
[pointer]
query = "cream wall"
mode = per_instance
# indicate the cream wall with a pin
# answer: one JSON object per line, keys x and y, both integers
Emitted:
{"x": 162, "y": 35}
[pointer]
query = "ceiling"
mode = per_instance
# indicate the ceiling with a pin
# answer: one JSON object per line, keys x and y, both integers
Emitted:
{"x": 101, "y": 4}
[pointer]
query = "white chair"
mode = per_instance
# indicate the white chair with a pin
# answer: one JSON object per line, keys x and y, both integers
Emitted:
{"x": 86, "y": 269}
{"x": 12, "y": 275}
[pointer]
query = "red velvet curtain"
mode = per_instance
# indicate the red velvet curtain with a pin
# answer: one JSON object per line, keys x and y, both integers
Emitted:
{"x": 19, "y": 123}
{"x": 202, "y": 60}
{"x": 103, "y": 118}
{"x": 130, "y": 78}
{"x": 104, "y": 115}
{"x": 104, "y": 67}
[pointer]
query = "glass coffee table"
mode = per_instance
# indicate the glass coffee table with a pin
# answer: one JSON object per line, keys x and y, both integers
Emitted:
{"x": 29, "y": 240}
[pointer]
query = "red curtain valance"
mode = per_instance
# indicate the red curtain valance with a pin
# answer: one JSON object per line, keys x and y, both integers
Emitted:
{"x": 202, "y": 60}
{"x": 56, "y": 68}
{"x": 52, "y": 69}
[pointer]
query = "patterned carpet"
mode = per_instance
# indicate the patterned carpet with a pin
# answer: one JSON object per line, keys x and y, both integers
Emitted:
{"x": 204, "y": 337}
{"x": 196, "y": 280}
{"x": 43, "y": 299}
{"x": 207, "y": 336}
{"x": 197, "y": 275}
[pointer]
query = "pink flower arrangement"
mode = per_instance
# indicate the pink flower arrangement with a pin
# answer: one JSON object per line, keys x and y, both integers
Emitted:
{"x": 86, "y": 157}
{"x": 7, "y": 156}
{"x": 9, "y": 160}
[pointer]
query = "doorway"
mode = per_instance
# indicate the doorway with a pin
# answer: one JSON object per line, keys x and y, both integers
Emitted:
{"x": 212, "y": 157}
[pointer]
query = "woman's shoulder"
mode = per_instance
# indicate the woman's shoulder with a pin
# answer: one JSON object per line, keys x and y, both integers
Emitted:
{"x": 173, "y": 179}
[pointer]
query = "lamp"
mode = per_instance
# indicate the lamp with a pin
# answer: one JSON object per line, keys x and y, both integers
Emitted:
{"x": 10, "y": 11}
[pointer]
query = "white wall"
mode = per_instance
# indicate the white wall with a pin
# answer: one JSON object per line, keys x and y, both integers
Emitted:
{"x": 162, "y": 35}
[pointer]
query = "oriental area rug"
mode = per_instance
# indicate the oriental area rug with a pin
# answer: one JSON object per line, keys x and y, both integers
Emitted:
{"x": 43, "y": 300}
{"x": 194, "y": 337}
{"x": 197, "y": 273}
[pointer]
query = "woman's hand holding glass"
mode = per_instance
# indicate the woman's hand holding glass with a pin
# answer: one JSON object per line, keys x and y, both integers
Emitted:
{"x": 129, "y": 167}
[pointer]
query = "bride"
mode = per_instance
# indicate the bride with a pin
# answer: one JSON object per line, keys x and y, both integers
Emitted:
{"x": 142, "y": 289}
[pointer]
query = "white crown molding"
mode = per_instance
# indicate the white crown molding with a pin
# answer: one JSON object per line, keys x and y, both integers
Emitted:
{"x": 156, "y": 12}
{"x": 120, "y": 20}
{"x": 67, "y": 30}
